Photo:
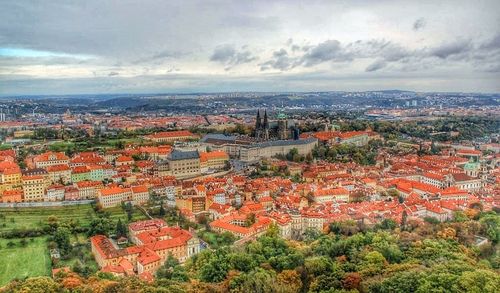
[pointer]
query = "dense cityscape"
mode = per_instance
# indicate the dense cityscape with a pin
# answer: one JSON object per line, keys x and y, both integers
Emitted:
{"x": 318, "y": 146}
{"x": 152, "y": 194}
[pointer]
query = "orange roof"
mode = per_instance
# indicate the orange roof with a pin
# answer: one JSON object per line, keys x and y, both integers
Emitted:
{"x": 8, "y": 167}
{"x": 349, "y": 134}
{"x": 87, "y": 183}
{"x": 331, "y": 191}
{"x": 80, "y": 169}
{"x": 113, "y": 190}
{"x": 205, "y": 156}
{"x": 124, "y": 159}
{"x": 139, "y": 189}
{"x": 12, "y": 192}
{"x": 147, "y": 256}
{"x": 434, "y": 176}
{"x": 58, "y": 168}
{"x": 49, "y": 156}
{"x": 469, "y": 152}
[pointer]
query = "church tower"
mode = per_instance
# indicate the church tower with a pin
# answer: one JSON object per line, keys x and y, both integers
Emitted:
{"x": 282, "y": 126}
{"x": 258, "y": 125}
{"x": 265, "y": 127}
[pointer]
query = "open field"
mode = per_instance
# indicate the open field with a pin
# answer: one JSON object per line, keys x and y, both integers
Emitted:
{"x": 118, "y": 213}
{"x": 30, "y": 218}
{"x": 20, "y": 262}
{"x": 5, "y": 146}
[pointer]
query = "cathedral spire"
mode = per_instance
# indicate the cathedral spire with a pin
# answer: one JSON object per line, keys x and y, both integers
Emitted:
{"x": 266, "y": 122}
{"x": 257, "y": 121}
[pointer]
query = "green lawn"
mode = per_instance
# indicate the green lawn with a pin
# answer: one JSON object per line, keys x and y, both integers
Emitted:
{"x": 20, "y": 262}
{"x": 118, "y": 213}
{"x": 30, "y": 218}
{"x": 5, "y": 146}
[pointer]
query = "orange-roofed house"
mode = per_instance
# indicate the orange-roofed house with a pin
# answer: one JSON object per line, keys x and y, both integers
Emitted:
{"x": 59, "y": 174}
{"x": 236, "y": 224}
{"x": 10, "y": 175}
{"x": 154, "y": 242}
{"x": 212, "y": 161}
{"x": 50, "y": 159}
{"x": 331, "y": 194}
{"x": 55, "y": 192}
{"x": 80, "y": 173}
{"x": 113, "y": 196}
{"x": 88, "y": 189}
{"x": 140, "y": 194}
{"x": 11, "y": 196}
{"x": 171, "y": 136}
{"x": 454, "y": 193}
{"x": 136, "y": 228}
{"x": 124, "y": 161}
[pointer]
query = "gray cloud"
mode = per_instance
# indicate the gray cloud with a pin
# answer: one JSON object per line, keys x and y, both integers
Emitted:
{"x": 113, "y": 73}
{"x": 329, "y": 50}
{"x": 419, "y": 24}
{"x": 229, "y": 56}
{"x": 378, "y": 64}
{"x": 449, "y": 49}
{"x": 492, "y": 44}
{"x": 280, "y": 61}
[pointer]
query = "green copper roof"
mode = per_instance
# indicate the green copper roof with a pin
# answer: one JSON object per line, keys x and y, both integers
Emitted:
{"x": 282, "y": 116}
{"x": 471, "y": 166}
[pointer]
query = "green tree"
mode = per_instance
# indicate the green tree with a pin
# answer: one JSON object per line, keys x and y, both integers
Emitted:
{"x": 215, "y": 270}
{"x": 478, "y": 281}
{"x": 172, "y": 270}
{"x": 62, "y": 238}
{"x": 250, "y": 220}
{"x": 491, "y": 226}
{"x": 100, "y": 225}
{"x": 121, "y": 229}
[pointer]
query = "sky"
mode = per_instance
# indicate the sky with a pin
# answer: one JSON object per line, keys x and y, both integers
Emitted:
{"x": 153, "y": 46}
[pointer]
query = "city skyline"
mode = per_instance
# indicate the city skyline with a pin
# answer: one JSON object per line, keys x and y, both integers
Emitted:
{"x": 221, "y": 46}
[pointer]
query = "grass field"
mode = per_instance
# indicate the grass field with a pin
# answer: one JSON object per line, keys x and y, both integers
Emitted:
{"x": 21, "y": 262}
{"x": 33, "y": 259}
{"x": 118, "y": 213}
{"x": 30, "y": 218}
{"x": 5, "y": 146}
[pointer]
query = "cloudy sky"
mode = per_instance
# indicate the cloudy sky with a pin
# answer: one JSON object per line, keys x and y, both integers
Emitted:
{"x": 148, "y": 46}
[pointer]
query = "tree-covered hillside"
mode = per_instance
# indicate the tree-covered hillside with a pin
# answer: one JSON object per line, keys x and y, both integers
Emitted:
{"x": 419, "y": 256}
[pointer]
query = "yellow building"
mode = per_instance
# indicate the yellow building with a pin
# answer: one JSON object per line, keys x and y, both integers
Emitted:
{"x": 215, "y": 160}
{"x": 34, "y": 187}
{"x": 184, "y": 164}
{"x": 170, "y": 136}
{"x": 10, "y": 176}
{"x": 23, "y": 133}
